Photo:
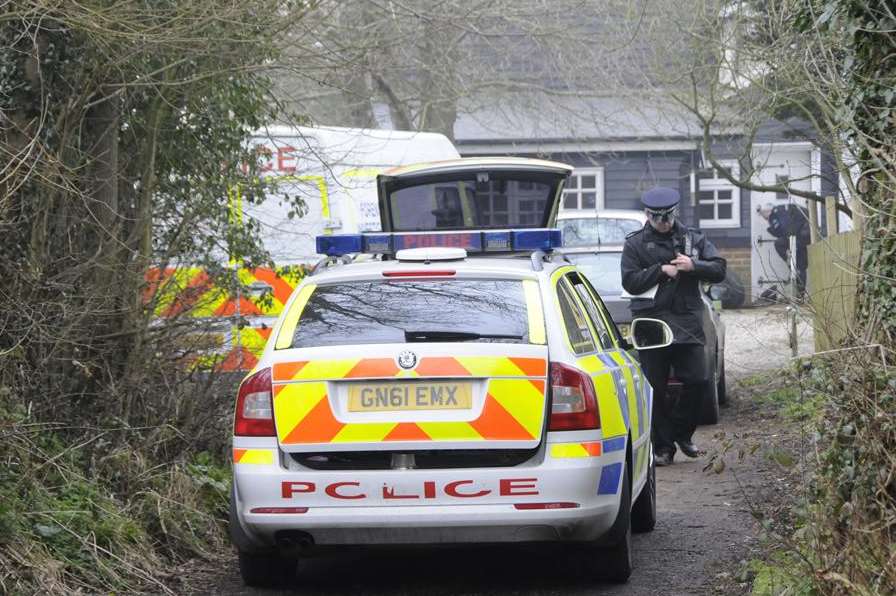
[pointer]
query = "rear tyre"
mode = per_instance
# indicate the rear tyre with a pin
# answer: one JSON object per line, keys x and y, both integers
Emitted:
{"x": 709, "y": 409}
{"x": 616, "y": 560}
{"x": 265, "y": 570}
{"x": 721, "y": 387}
{"x": 644, "y": 509}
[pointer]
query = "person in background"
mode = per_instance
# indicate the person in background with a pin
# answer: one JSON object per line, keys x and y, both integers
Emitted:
{"x": 790, "y": 220}
{"x": 673, "y": 259}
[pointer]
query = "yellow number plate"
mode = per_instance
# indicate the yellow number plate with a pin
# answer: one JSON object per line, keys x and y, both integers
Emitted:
{"x": 393, "y": 397}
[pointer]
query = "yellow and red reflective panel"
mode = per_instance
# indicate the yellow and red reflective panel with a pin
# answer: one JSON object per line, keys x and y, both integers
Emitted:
{"x": 291, "y": 321}
{"x": 612, "y": 420}
{"x": 514, "y": 408}
{"x": 253, "y": 456}
{"x": 569, "y": 450}
{"x": 429, "y": 366}
{"x": 534, "y": 312}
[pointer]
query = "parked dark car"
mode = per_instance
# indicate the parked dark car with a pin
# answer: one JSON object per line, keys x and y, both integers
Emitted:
{"x": 601, "y": 265}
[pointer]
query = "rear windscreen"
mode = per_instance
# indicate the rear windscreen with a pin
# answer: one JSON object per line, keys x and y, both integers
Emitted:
{"x": 591, "y": 231}
{"x": 497, "y": 202}
{"x": 603, "y": 270}
{"x": 409, "y": 311}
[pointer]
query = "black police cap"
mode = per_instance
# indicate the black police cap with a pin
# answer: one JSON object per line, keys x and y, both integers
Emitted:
{"x": 660, "y": 197}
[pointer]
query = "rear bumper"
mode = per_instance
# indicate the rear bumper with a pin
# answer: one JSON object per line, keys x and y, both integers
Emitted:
{"x": 475, "y": 505}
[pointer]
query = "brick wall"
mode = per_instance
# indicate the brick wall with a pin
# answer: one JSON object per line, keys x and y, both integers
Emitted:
{"x": 739, "y": 260}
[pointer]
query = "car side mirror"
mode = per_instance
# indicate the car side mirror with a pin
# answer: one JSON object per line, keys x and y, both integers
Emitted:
{"x": 650, "y": 334}
{"x": 717, "y": 292}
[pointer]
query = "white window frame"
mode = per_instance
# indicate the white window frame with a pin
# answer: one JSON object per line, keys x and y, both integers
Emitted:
{"x": 716, "y": 184}
{"x": 576, "y": 178}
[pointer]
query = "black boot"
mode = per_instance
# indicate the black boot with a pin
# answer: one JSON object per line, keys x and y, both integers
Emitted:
{"x": 689, "y": 449}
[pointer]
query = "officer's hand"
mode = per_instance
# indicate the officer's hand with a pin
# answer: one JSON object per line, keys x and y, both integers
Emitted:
{"x": 670, "y": 270}
{"x": 683, "y": 262}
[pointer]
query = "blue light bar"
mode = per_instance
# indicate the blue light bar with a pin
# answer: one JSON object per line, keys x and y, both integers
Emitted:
{"x": 378, "y": 244}
{"x": 540, "y": 239}
{"x": 339, "y": 244}
{"x": 473, "y": 242}
{"x": 497, "y": 241}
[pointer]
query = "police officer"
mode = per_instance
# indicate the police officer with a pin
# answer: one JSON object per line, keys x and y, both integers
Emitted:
{"x": 674, "y": 259}
{"x": 785, "y": 221}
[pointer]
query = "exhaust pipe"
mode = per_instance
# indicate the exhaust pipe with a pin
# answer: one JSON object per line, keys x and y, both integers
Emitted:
{"x": 295, "y": 539}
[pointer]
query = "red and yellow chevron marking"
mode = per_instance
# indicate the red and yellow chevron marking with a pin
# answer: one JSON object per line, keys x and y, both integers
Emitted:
{"x": 565, "y": 450}
{"x": 253, "y": 456}
{"x": 514, "y": 407}
{"x": 190, "y": 291}
{"x": 429, "y": 366}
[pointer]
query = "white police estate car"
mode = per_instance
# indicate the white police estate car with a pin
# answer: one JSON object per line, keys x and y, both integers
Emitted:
{"x": 425, "y": 395}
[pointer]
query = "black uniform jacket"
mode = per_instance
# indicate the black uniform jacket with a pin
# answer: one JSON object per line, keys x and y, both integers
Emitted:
{"x": 677, "y": 300}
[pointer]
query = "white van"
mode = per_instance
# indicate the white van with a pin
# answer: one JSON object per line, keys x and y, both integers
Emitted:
{"x": 334, "y": 170}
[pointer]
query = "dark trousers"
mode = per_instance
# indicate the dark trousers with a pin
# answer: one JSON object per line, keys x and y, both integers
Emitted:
{"x": 782, "y": 247}
{"x": 675, "y": 420}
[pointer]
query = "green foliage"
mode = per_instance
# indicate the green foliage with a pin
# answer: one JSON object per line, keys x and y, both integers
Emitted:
{"x": 842, "y": 543}
{"x": 862, "y": 33}
{"x": 781, "y": 575}
{"x": 73, "y": 514}
{"x": 125, "y": 134}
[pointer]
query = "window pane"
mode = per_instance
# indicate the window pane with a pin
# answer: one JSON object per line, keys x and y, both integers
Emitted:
{"x": 570, "y": 200}
{"x": 707, "y": 211}
{"x": 603, "y": 270}
{"x": 499, "y": 204}
{"x": 574, "y": 320}
{"x": 574, "y": 182}
{"x": 782, "y": 180}
{"x": 587, "y": 181}
{"x": 460, "y": 203}
{"x": 723, "y": 195}
{"x": 593, "y": 312}
{"x": 588, "y": 200}
{"x": 725, "y": 211}
{"x": 381, "y": 312}
{"x": 706, "y": 196}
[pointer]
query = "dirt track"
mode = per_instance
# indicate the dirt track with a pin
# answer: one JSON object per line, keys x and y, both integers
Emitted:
{"x": 704, "y": 526}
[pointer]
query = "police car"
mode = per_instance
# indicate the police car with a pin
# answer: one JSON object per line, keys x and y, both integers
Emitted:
{"x": 433, "y": 386}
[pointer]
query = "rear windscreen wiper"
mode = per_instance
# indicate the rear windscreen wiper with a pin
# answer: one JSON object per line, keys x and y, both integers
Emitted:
{"x": 418, "y": 336}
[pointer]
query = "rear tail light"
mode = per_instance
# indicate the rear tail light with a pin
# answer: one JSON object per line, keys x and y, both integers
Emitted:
{"x": 573, "y": 401}
{"x": 254, "y": 407}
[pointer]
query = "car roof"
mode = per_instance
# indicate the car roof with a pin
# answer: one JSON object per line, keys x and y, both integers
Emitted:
{"x": 511, "y": 267}
{"x": 604, "y": 213}
{"x": 602, "y": 248}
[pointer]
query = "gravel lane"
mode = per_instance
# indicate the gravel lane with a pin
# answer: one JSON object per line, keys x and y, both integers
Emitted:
{"x": 757, "y": 339}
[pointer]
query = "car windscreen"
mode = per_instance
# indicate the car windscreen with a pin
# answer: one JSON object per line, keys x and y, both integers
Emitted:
{"x": 591, "y": 231}
{"x": 603, "y": 270}
{"x": 373, "y": 312}
{"x": 465, "y": 201}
